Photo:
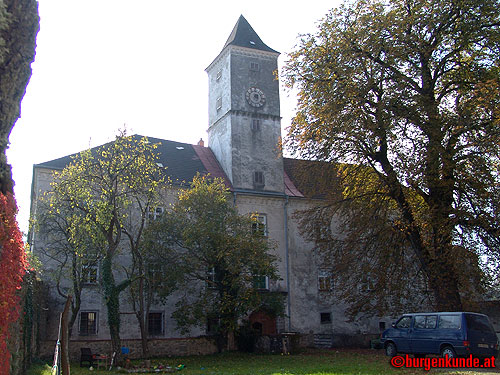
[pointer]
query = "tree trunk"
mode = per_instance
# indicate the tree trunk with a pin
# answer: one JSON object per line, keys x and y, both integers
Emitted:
{"x": 65, "y": 339}
{"x": 18, "y": 29}
{"x": 111, "y": 295}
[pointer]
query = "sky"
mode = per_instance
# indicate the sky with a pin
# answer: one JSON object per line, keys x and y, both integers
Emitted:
{"x": 101, "y": 65}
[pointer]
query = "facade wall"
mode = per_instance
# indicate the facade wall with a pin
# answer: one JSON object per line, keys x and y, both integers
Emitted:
{"x": 306, "y": 302}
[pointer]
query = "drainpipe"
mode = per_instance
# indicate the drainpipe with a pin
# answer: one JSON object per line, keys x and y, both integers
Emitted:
{"x": 285, "y": 208}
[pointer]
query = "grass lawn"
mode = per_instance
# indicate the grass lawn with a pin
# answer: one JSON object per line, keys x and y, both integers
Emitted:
{"x": 332, "y": 362}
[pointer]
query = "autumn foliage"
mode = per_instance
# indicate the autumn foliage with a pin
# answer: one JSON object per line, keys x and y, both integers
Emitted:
{"x": 12, "y": 269}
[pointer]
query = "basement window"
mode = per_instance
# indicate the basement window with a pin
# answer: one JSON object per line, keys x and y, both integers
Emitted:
{"x": 325, "y": 318}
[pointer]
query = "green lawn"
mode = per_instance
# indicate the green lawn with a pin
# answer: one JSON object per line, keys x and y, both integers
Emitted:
{"x": 345, "y": 362}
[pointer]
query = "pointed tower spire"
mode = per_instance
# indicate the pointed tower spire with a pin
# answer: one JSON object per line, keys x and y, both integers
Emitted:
{"x": 244, "y": 35}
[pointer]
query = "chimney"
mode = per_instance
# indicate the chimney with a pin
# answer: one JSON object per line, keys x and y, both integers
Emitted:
{"x": 201, "y": 143}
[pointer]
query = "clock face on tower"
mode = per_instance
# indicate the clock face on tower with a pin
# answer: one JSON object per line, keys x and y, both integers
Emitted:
{"x": 255, "y": 97}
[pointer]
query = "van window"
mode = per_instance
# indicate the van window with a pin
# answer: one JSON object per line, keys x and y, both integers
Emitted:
{"x": 425, "y": 321}
{"x": 404, "y": 322}
{"x": 449, "y": 321}
{"x": 478, "y": 323}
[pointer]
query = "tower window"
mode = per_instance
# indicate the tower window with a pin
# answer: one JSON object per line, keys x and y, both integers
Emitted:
{"x": 219, "y": 75}
{"x": 218, "y": 104}
{"x": 258, "y": 179}
{"x": 255, "y": 125}
{"x": 254, "y": 67}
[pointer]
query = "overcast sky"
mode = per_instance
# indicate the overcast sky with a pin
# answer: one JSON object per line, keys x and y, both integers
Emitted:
{"x": 101, "y": 64}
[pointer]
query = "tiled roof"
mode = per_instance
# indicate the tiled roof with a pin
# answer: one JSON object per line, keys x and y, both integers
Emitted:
{"x": 311, "y": 179}
{"x": 244, "y": 35}
{"x": 183, "y": 161}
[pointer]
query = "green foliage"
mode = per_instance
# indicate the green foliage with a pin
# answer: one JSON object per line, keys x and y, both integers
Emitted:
{"x": 407, "y": 93}
{"x": 102, "y": 194}
{"x": 213, "y": 255}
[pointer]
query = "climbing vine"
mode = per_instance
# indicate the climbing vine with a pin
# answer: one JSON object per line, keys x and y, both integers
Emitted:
{"x": 12, "y": 270}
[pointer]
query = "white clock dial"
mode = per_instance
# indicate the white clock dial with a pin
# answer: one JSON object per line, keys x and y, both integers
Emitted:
{"x": 255, "y": 97}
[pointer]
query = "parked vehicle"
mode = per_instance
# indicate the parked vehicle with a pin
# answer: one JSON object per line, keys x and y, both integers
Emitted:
{"x": 443, "y": 333}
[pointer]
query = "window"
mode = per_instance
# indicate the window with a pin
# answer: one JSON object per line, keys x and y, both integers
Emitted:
{"x": 367, "y": 283}
{"x": 218, "y": 103}
{"x": 211, "y": 279}
{"x": 212, "y": 326}
{"x": 258, "y": 179}
{"x": 255, "y": 126}
{"x": 325, "y": 318}
{"x": 449, "y": 321}
{"x": 259, "y": 226}
{"x": 155, "y": 323}
{"x": 261, "y": 282}
{"x": 219, "y": 75}
{"x": 155, "y": 213}
{"x": 478, "y": 323}
{"x": 155, "y": 272}
{"x": 254, "y": 67}
{"x": 325, "y": 281}
{"x": 88, "y": 323}
{"x": 90, "y": 269}
{"x": 425, "y": 322}
{"x": 404, "y": 322}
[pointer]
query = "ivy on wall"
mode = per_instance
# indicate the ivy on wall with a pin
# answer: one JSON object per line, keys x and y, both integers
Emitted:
{"x": 12, "y": 270}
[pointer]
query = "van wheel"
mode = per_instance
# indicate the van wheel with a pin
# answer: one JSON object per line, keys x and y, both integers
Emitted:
{"x": 390, "y": 350}
{"x": 448, "y": 351}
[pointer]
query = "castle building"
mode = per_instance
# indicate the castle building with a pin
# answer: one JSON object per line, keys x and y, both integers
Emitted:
{"x": 244, "y": 132}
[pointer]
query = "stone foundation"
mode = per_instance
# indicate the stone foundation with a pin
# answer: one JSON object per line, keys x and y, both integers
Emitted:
{"x": 157, "y": 347}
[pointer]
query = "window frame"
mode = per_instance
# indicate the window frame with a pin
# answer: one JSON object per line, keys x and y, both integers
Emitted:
{"x": 325, "y": 321}
{"x": 260, "y": 225}
{"x": 255, "y": 124}
{"x": 259, "y": 179}
{"x": 87, "y": 266}
{"x": 254, "y": 66}
{"x": 326, "y": 275}
{"x": 162, "y": 324}
{"x": 154, "y": 214}
{"x": 96, "y": 323}
{"x": 256, "y": 282}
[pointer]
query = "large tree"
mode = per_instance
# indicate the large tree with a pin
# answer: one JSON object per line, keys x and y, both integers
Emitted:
{"x": 103, "y": 192}
{"x": 73, "y": 255}
{"x": 219, "y": 257}
{"x": 402, "y": 98}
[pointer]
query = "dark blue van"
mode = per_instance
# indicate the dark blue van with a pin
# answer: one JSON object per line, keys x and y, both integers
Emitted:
{"x": 443, "y": 333}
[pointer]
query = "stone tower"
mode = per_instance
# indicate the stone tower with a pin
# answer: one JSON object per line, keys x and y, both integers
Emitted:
{"x": 244, "y": 111}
